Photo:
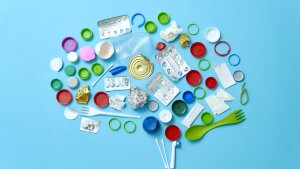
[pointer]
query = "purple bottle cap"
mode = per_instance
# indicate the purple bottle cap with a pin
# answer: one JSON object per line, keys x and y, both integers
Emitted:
{"x": 69, "y": 44}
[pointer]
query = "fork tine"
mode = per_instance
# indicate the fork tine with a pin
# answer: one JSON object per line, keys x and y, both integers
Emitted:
{"x": 84, "y": 107}
{"x": 241, "y": 120}
{"x": 241, "y": 117}
{"x": 239, "y": 112}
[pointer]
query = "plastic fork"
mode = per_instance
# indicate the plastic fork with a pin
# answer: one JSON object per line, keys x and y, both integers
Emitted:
{"x": 91, "y": 111}
{"x": 198, "y": 131}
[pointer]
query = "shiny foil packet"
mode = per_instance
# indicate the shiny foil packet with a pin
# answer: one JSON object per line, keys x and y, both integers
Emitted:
{"x": 83, "y": 95}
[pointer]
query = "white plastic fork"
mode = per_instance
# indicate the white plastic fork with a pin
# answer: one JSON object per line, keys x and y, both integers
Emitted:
{"x": 91, "y": 111}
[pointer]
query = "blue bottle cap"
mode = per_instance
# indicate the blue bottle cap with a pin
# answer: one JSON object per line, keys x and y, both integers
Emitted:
{"x": 151, "y": 125}
{"x": 188, "y": 96}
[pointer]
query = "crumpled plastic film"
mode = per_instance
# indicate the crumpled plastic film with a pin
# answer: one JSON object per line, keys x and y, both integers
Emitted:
{"x": 137, "y": 98}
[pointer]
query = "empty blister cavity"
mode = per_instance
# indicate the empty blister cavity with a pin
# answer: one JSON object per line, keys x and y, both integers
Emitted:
{"x": 172, "y": 63}
{"x": 162, "y": 89}
{"x": 114, "y": 26}
{"x": 116, "y": 83}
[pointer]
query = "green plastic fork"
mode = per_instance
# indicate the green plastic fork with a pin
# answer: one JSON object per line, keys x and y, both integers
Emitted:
{"x": 198, "y": 131}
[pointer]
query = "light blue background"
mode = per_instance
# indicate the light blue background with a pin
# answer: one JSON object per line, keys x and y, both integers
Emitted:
{"x": 35, "y": 134}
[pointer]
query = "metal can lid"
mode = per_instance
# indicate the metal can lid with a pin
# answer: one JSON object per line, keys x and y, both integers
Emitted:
{"x": 212, "y": 34}
{"x": 193, "y": 77}
{"x": 198, "y": 49}
{"x": 97, "y": 68}
{"x": 101, "y": 99}
{"x": 165, "y": 116}
{"x": 84, "y": 73}
{"x": 69, "y": 44}
{"x": 151, "y": 124}
{"x": 172, "y": 132}
{"x": 150, "y": 26}
{"x": 188, "y": 96}
{"x": 72, "y": 57}
{"x": 211, "y": 82}
{"x": 238, "y": 76}
{"x": 56, "y": 64}
{"x": 179, "y": 107}
{"x": 86, "y": 34}
{"x": 163, "y": 18}
{"x": 64, "y": 97}
{"x": 56, "y": 84}
{"x": 72, "y": 82}
{"x": 70, "y": 70}
{"x": 152, "y": 105}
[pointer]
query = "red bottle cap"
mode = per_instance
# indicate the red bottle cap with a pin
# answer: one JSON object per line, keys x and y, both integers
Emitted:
{"x": 193, "y": 77}
{"x": 211, "y": 82}
{"x": 64, "y": 96}
{"x": 198, "y": 49}
{"x": 101, "y": 99}
{"x": 160, "y": 45}
{"x": 172, "y": 132}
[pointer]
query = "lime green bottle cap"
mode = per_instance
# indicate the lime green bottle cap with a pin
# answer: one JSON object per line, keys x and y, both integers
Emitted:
{"x": 86, "y": 34}
{"x": 84, "y": 73}
{"x": 207, "y": 118}
{"x": 150, "y": 26}
{"x": 97, "y": 68}
{"x": 163, "y": 18}
{"x": 70, "y": 70}
{"x": 56, "y": 84}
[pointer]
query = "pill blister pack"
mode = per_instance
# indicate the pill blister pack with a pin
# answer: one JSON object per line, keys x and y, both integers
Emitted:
{"x": 172, "y": 63}
{"x": 114, "y": 26}
{"x": 162, "y": 89}
{"x": 116, "y": 83}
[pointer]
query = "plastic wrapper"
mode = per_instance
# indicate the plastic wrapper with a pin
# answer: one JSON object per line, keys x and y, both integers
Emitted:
{"x": 137, "y": 98}
{"x": 83, "y": 94}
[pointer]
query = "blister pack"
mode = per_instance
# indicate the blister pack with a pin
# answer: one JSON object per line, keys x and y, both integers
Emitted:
{"x": 114, "y": 26}
{"x": 116, "y": 83}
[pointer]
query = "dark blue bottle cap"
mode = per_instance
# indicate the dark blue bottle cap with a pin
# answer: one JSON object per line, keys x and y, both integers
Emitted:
{"x": 151, "y": 125}
{"x": 188, "y": 96}
{"x": 117, "y": 70}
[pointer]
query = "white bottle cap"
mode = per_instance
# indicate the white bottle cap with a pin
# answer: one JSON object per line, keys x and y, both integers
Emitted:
{"x": 56, "y": 64}
{"x": 72, "y": 82}
{"x": 72, "y": 57}
{"x": 165, "y": 116}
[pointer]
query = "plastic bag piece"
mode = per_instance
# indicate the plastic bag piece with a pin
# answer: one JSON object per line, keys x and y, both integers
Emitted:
{"x": 133, "y": 44}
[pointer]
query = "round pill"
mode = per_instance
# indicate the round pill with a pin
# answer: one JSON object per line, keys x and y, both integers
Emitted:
{"x": 165, "y": 116}
{"x": 56, "y": 64}
{"x": 72, "y": 82}
{"x": 72, "y": 57}
{"x": 152, "y": 105}
{"x": 70, "y": 70}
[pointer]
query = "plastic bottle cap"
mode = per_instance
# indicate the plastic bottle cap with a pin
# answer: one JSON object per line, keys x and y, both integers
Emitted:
{"x": 198, "y": 49}
{"x": 150, "y": 26}
{"x": 56, "y": 84}
{"x": 163, "y": 18}
{"x": 69, "y": 44}
{"x": 179, "y": 107}
{"x": 160, "y": 45}
{"x": 87, "y": 53}
{"x": 86, "y": 34}
{"x": 104, "y": 50}
{"x": 165, "y": 116}
{"x": 207, "y": 118}
{"x": 188, "y": 96}
{"x": 97, "y": 68}
{"x": 72, "y": 57}
{"x": 101, "y": 99}
{"x": 70, "y": 114}
{"x": 193, "y": 77}
{"x": 172, "y": 132}
{"x": 151, "y": 124}
{"x": 238, "y": 76}
{"x": 211, "y": 82}
{"x": 64, "y": 97}
{"x": 56, "y": 64}
{"x": 212, "y": 34}
{"x": 70, "y": 70}
{"x": 84, "y": 73}
{"x": 72, "y": 82}
{"x": 152, "y": 105}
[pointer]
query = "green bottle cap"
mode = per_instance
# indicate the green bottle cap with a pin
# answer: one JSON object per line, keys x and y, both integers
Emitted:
{"x": 163, "y": 18}
{"x": 84, "y": 73}
{"x": 70, "y": 70}
{"x": 150, "y": 26}
{"x": 207, "y": 118}
{"x": 97, "y": 68}
{"x": 86, "y": 34}
{"x": 56, "y": 84}
{"x": 179, "y": 107}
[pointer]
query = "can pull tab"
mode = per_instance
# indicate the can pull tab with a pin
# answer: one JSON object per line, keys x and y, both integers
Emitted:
{"x": 117, "y": 70}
